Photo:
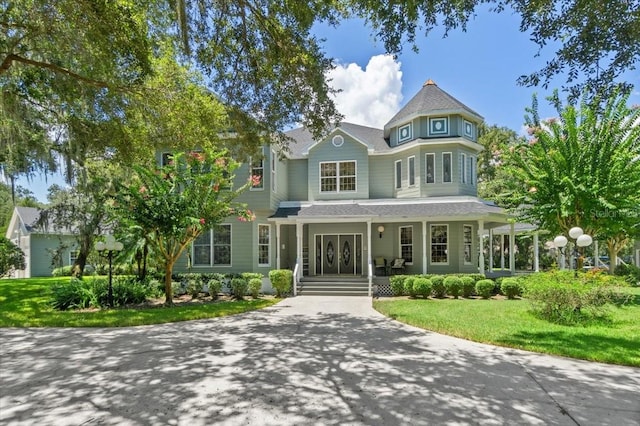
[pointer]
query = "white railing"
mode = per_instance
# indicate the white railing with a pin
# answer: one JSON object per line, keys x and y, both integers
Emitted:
{"x": 296, "y": 279}
{"x": 370, "y": 275}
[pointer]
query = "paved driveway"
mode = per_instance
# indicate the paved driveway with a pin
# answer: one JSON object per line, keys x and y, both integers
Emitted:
{"x": 306, "y": 361}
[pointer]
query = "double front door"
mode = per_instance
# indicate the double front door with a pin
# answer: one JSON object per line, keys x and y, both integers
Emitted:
{"x": 338, "y": 254}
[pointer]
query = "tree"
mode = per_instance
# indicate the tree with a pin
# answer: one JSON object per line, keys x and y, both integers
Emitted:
{"x": 581, "y": 169}
{"x": 11, "y": 257}
{"x": 492, "y": 179}
{"x": 174, "y": 204}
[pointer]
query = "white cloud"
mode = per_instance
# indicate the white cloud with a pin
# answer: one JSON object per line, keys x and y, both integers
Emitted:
{"x": 369, "y": 97}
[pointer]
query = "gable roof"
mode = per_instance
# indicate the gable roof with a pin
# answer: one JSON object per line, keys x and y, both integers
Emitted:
{"x": 303, "y": 140}
{"x": 430, "y": 100}
{"x": 32, "y": 220}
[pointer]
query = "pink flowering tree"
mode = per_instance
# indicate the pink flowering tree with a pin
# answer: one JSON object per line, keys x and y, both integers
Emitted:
{"x": 174, "y": 204}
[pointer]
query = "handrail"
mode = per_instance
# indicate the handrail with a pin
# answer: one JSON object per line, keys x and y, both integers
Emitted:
{"x": 370, "y": 276}
{"x": 295, "y": 279}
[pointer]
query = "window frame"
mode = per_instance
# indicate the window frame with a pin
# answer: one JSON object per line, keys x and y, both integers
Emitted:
{"x": 433, "y": 131}
{"x": 466, "y": 124}
{"x": 251, "y": 172}
{"x": 338, "y": 176}
{"x": 409, "y": 245}
{"x": 266, "y": 245}
{"x": 450, "y": 156}
{"x": 73, "y": 256}
{"x": 439, "y": 244}
{"x": 411, "y": 164}
{"x": 463, "y": 168}
{"x": 273, "y": 171}
{"x": 212, "y": 245}
{"x": 409, "y": 133}
{"x": 426, "y": 167}
{"x": 468, "y": 244}
{"x": 397, "y": 165}
{"x": 470, "y": 170}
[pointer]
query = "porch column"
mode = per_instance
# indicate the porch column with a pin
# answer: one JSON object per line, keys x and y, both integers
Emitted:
{"x": 299, "y": 231}
{"x": 369, "y": 268}
{"x": 424, "y": 247}
{"x": 481, "y": 241}
{"x": 512, "y": 248}
{"x": 502, "y": 252}
{"x": 536, "y": 252}
{"x": 490, "y": 250}
{"x": 278, "y": 246}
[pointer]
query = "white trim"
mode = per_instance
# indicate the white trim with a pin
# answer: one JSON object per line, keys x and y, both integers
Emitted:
{"x": 409, "y": 174}
{"x": 400, "y": 243}
{"x": 338, "y": 176}
{"x": 268, "y": 244}
{"x": 463, "y": 167}
{"x": 418, "y": 114}
{"x": 397, "y": 179}
{"x": 337, "y": 141}
{"x": 464, "y": 128}
{"x": 76, "y": 256}
{"x": 211, "y": 252}
{"x": 431, "y": 123}
{"x": 251, "y": 168}
{"x": 326, "y": 138}
{"x": 273, "y": 171}
{"x": 447, "y": 251}
{"x": 464, "y": 244}
{"x": 426, "y": 168}
{"x": 409, "y": 133}
{"x": 453, "y": 141}
{"x": 450, "y": 167}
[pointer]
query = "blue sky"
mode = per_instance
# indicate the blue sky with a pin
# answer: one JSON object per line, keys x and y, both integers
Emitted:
{"x": 479, "y": 67}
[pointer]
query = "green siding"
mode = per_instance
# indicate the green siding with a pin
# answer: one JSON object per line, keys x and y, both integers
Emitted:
{"x": 298, "y": 177}
{"x": 351, "y": 150}
{"x": 381, "y": 177}
{"x": 40, "y": 252}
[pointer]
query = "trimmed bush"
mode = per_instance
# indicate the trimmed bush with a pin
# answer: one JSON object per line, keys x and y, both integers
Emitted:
{"x": 468, "y": 285}
{"x": 63, "y": 271}
{"x": 484, "y": 288}
{"x": 251, "y": 275}
{"x": 439, "y": 290}
{"x": 422, "y": 286}
{"x": 453, "y": 285}
{"x": 397, "y": 284}
{"x": 239, "y": 287}
{"x": 255, "y": 284}
{"x": 193, "y": 284}
{"x": 510, "y": 287}
{"x": 75, "y": 294}
{"x": 408, "y": 286}
{"x": 215, "y": 287}
{"x": 281, "y": 281}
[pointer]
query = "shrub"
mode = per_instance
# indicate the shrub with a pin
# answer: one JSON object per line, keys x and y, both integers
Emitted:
{"x": 439, "y": 290}
{"x": 251, "y": 275}
{"x": 193, "y": 284}
{"x": 484, "y": 288}
{"x": 239, "y": 287}
{"x": 126, "y": 290}
{"x": 397, "y": 284}
{"x": 422, "y": 286}
{"x": 559, "y": 297}
{"x": 255, "y": 284}
{"x": 63, "y": 271}
{"x": 75, "y": 294}
{"x": 281, "y": 281}
{"x": 510, "y": 287}
{"x": 631, "y": 274}
{"x": 215, "y": 287}
{"x": 468, "y": 285}
{"x": 453, "y": 285}
{"x": 408, "y": 286}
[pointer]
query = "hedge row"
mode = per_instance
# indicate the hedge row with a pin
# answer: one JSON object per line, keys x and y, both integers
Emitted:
{"x": 455, "y": 285}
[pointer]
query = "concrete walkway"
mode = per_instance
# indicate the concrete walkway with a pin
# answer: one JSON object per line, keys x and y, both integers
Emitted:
{"x": 305, "y": 361}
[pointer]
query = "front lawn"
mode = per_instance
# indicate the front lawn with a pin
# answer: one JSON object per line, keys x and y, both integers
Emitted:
{"x": 27, "y": 303}
{"x": 510, "y": 323}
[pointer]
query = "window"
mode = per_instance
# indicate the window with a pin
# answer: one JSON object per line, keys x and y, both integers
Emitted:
{"x": 274, "y": 163}
{"x": 213, "y": 247}
{"x": 398, "y": 174}
{"x": 468, "y": 129}
{"x": 467, "y": 240}
{"x": 412, "y": 171}
{"x": 406, "y": 243}
{"x": 337, "y": 141}
{"x": 73, "y": 256}
{"x": 338, "y": 177}
{"x": 166, "y": 159}
{"x": 263, "y": 244}
{"x": 463, "y": 164}
{"x": 404, "y": 133}
{"x": 257, "y": 169}
{"x": 438, "y": 126}
{"x": 470, "y": 170}
{"x": 446, "y": 167}
{"x": 439, "y": 244}
{"x": 431, "y": 168}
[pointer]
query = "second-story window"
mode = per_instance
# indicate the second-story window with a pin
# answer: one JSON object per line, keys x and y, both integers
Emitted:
{"x": 470, "y": 168}
{"x": 274, "y": 164}
{"x": 339, "y": 176}
{"x": 398, "y": 174}
{"x": 463, "y": 163}
{"x": 446, "y": 167}
{"x": 257, "y": 169}
{"x": 430, "y": 175}
{"x": 412, "y": 171}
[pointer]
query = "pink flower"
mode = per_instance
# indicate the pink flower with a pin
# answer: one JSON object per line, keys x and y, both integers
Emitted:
{"x": 533, "y": 141}
{"x": 221, "y": 162}
{"x": 531, "y": 130}
{"x": 202, "y": 221}
{"x": 195, "y": 155}
{"x": 255, "y": 180}
{"x": 143, "y": 189}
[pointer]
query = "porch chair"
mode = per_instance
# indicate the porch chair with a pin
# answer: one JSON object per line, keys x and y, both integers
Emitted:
{"x": 397, "y": 266}
{"x": 380, "y": 263}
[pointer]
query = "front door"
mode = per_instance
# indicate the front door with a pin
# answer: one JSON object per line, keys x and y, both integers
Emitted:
{"x": 338, "y": 254}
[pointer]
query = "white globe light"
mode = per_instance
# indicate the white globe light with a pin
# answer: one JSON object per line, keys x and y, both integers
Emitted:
{"x": 575, "y": 232}
{"x": 560, "y": 241}
{"x": 584, "y": 240}
{"x": 100, "y": 246}
{"x": 118, "y": 246}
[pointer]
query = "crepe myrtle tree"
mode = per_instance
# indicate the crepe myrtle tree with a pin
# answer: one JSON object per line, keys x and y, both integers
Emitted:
{"x": 176, "y": 203}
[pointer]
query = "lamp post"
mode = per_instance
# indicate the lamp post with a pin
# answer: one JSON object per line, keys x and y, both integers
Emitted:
{"x": 109, "y": 246}
{"x": 581, "y": 240}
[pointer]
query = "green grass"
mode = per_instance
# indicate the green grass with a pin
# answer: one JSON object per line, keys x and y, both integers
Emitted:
{"x": 27, "y": 303}
{"x": 510, "y": 323}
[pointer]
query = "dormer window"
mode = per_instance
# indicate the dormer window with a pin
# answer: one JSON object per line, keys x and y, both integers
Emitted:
{"x": 468, "y": 129}
{"x": 439, "y": 126}
{"x": 404, "y": 133}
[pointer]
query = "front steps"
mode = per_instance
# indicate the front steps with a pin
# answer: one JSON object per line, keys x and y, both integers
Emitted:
{"x": 333, "y": 286}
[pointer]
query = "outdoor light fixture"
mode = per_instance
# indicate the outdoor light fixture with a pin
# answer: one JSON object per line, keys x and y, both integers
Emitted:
{"x": 108, "y": 247}
{"x": 581, "y": 240}
{"x": 380, "y": 230}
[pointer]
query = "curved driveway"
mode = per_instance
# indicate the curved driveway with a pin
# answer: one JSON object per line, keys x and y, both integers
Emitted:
{"x": 305, "y": 361}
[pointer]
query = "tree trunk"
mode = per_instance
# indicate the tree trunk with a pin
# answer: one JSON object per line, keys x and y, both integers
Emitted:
{"x": 145, "y": 254}
{"x": 168, "y": 289}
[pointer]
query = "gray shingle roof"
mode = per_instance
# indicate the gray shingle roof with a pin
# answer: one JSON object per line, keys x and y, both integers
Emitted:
{"x": 430, "y": 100}
{"x": 303, "y": 139}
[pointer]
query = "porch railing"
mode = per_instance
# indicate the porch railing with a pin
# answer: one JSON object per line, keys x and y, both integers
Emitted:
{"x": 296, "y": 279}
{"x": 370, "y": 276}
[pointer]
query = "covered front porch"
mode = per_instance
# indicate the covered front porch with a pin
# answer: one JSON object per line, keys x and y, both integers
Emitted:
{"x": 343, "y": 239}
